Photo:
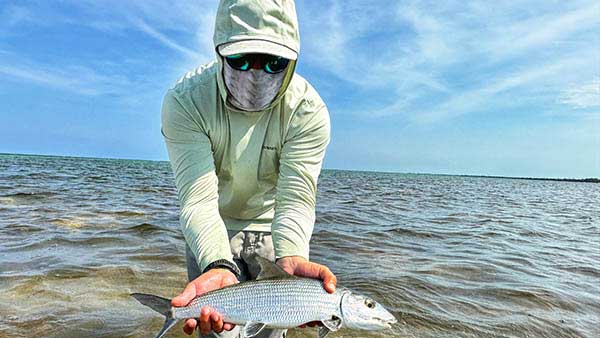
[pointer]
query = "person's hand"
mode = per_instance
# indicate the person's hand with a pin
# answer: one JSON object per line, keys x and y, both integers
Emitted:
{"x": 299, "y": 266}
{"x": 209, "y": 319}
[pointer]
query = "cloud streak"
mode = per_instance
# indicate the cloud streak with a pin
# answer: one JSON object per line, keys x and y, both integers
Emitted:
{"x": 419, "y": 81}
{"x": 583, "y": 96}
{"x": 455, "y": 57}
{"x": 190, "y": 19}
{"x": 472, "y": 100}
{"x": 77, "y": 79}
{"x": 167, "y": 42}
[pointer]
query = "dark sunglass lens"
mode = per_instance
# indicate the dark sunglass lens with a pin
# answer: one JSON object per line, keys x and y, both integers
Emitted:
{"x": 276, "y": 64}
{"x": 238, "y": 61}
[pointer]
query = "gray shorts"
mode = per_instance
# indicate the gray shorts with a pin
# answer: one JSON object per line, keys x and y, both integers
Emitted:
{"x": 243, "y": 244}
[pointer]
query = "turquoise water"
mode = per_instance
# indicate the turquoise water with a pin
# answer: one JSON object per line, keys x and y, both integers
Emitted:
{"x": 450, "y": 256}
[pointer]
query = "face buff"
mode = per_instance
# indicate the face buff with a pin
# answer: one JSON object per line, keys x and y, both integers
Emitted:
{"x": 253, "y": 81}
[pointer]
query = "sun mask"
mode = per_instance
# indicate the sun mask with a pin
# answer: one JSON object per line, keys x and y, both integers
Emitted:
{"x": 253, "y": 80}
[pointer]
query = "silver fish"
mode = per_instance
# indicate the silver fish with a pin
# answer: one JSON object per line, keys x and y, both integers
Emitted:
{"x": 278, "y": 300}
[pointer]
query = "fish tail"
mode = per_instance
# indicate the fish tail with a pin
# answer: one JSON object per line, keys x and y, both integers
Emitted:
{"x": 169, "y": 323}
{"x": 160, "y": 305}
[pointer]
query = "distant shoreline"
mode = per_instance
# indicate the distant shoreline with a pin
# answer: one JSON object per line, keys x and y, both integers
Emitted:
{"x": 584, "y": 180}
{"x": 579, "y": 180}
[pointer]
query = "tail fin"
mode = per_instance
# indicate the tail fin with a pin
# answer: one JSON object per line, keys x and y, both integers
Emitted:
{"x": 160, "y": 305}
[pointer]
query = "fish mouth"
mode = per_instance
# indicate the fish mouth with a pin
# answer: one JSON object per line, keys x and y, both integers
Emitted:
{"x": 387, "y": 323}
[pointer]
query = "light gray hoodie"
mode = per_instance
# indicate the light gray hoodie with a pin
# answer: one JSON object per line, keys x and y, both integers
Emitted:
{"x": 246, "y": 170}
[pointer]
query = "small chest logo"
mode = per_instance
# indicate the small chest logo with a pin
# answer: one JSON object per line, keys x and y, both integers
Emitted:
{"x": 269, "y": 148}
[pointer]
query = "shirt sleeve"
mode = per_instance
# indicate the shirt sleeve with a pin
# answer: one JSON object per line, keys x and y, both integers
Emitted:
{"x": 299, "y": 167}
{"x": 191, "y": 158}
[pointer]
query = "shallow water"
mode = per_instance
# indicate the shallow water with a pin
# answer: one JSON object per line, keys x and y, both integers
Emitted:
{"x": 449, "y": 256}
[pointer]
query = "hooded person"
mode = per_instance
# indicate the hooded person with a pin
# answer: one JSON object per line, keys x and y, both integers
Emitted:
{"x": 246, "y": 137}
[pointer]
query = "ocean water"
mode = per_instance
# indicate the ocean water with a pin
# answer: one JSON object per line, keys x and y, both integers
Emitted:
{"x": 449, "y": 256}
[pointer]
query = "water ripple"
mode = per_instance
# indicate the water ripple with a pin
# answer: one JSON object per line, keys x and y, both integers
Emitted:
{"x": 449, "y": 256}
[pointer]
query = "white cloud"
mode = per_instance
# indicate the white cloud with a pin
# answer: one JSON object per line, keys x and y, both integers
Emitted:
{"x": 74, "y": 78}
{"x": 545, "y": 30}
{"x": 159, "y": 20}
{"x": 432, "y": 42}
{"x": 583, "y": 96}
{"x": 471, "y": 100}
{"x": 166, "y": 41}
{"x": 458, "y": 58}
{"x": 455, "y": 56}
{"x": 184, "y": 27}
{"x": 325, "y": 50}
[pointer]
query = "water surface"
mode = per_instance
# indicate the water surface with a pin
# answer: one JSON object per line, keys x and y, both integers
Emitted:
{"x": 449, "y": 256}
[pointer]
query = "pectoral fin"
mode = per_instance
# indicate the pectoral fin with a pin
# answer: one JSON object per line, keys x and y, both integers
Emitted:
{"x": 252, "y": 329}
{"x": 332, "y": 324}
{"x": 329, "y": 325}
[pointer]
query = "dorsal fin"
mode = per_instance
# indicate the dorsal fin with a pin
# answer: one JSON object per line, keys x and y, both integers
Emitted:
{"x": 269, "y": 269}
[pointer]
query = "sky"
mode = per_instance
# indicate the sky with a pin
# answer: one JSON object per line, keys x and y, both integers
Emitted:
{"x": 508, "y": 88}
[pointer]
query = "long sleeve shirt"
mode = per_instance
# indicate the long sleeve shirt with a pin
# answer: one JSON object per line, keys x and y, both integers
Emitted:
{"x": 241, "y": 170}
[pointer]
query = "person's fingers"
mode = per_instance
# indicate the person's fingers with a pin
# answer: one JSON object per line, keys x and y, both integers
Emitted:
{"x": 217, "y": 322}
{"x": 286, "y": 266}
{"x": 314, "y": 270}
{"x": 205, "y": 320}
{"x": 307, "y": 269}
{"x": 329, "y": 279}
{"x": 228, "y": 326}
{"x": 189, "y": 326}
{"x": 229, "y": 279}
{"x": 304, "y": 268}
{"x": 186, "y": 296}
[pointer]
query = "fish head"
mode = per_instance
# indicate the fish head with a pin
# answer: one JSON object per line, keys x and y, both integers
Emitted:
{"x": 361, "y": 312}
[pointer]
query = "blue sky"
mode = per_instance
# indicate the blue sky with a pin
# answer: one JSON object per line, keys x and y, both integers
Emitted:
{"x": 479, "y": 87}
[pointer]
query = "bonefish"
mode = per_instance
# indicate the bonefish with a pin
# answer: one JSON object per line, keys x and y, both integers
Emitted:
{"x": 278, "y": 300}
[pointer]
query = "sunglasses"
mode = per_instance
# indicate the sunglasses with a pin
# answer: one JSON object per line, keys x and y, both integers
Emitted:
{"x": 269, "y": 63}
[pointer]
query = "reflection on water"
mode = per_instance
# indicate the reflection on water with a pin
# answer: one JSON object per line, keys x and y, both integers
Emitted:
{"x": 449, "y": 256}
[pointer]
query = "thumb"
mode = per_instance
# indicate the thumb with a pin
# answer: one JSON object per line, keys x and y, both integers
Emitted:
{"x": 185, "y": 297}
{"x": 287, "y": 268}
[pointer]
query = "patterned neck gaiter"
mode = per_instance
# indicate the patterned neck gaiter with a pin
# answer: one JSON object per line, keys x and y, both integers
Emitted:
{"x": 253, "y": 89}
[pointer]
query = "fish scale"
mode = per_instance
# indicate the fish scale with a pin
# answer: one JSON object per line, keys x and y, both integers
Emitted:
{"x": 268, "y": 301}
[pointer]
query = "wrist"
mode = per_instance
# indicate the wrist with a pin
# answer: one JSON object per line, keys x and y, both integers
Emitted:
{"x": 224, "y": 264}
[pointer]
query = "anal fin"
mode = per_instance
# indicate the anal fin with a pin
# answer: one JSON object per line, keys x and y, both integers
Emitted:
{"x": 323, "y": 331}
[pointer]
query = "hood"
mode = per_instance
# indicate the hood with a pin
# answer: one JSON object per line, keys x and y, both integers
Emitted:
{"x": 274, "y": 21}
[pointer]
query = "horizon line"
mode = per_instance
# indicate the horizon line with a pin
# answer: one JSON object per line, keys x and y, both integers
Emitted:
{"x": 560, "y": 179}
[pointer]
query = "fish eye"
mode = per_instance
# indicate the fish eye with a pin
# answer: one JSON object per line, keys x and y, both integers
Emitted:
{"x": 369, "y": 303}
